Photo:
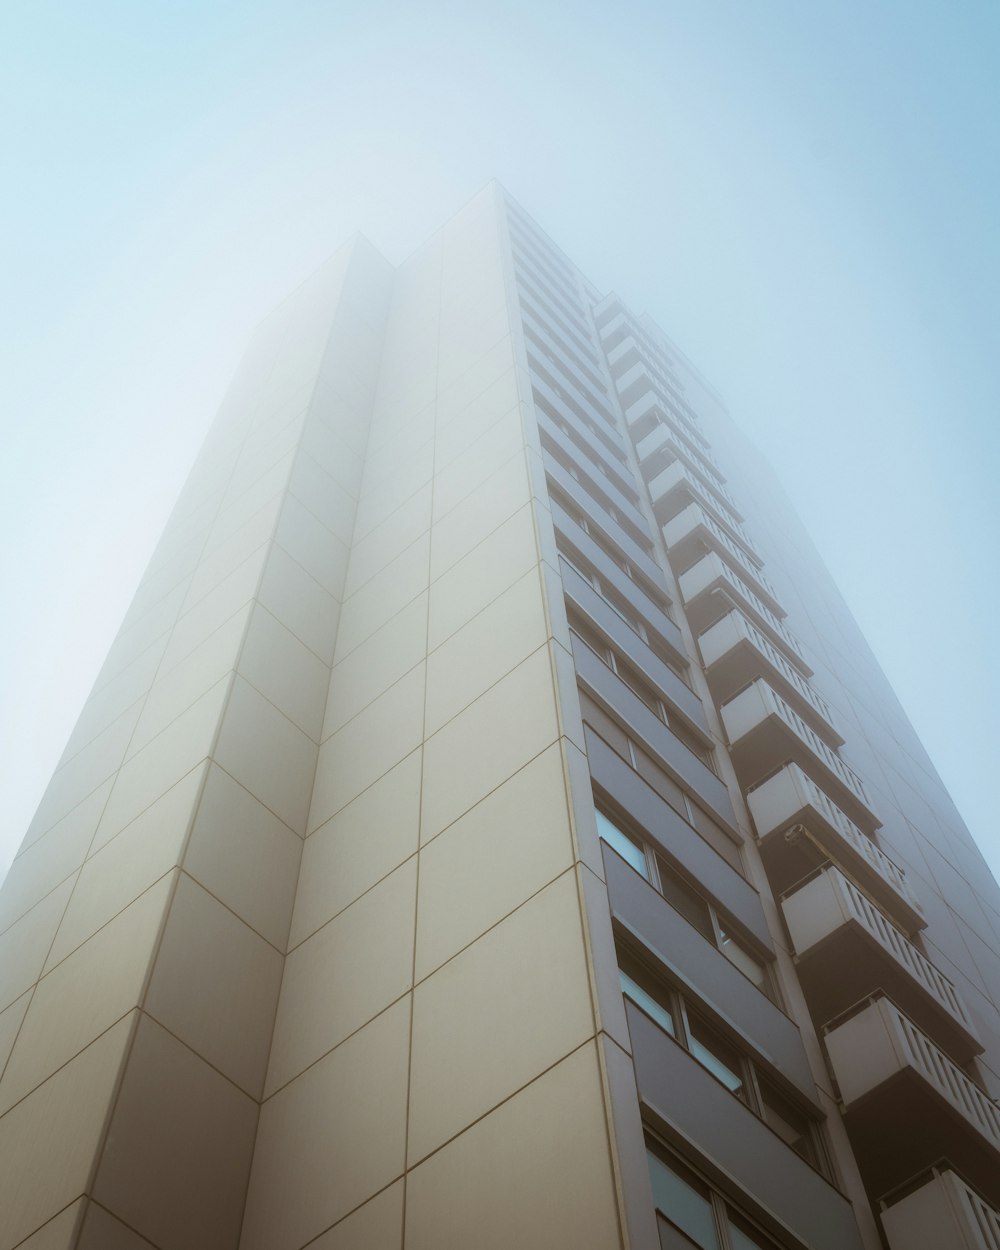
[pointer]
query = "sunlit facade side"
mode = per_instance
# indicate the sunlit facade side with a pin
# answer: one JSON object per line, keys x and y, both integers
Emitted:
{"x": 490, "y": 827}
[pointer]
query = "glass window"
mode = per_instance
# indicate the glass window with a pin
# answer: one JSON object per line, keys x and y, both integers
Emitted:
{"x": 652, "y": 1006}
{"x": 626, "y": 847}
{"x": 682, "y": 898}
{"x": 715, "y": 1053}
{"x": 744, "y": 1237}
{"x": 685, "y": 1201}
{"x": 741, "y": 958}
{"x": 793, "y": 1126}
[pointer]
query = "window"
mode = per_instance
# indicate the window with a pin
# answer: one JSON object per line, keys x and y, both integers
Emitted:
{"x": 690, "y": 1214}
{"x": 732, "y": 1067}
{"x": 687, "y": 902}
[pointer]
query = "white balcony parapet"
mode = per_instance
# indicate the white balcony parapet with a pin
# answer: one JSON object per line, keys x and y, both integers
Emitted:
{"x": 667, "y": 394}
{"x": 758, "y": 702}
{"x": 828, "y": 901}
{"x": 693, "y": 518}
{"x": 711, "y": 568}
{"x": 676, "y": 474}
{"x": 735, "y": 628}
{"x": 943, "y": 1214}
{"x": 879, "y": 1041}
{"x": 790, "y": 792}
{"x": 669, "y": 428}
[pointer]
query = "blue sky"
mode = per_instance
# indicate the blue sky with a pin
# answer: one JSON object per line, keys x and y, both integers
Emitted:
{"x": 804, "y": 195}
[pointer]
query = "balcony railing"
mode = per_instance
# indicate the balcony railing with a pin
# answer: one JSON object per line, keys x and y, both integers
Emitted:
{"x": 879, "y": 1041}
{"x": 694, "y": 520}
{"x": 650, "y": 402}
{"x": 735, "y": 631}
{"x": 791, "y": 797}
{"x": 678, "y": 475}
{"x": 711, "y": 573}
{"x": 943, "y": 1214}
{"x": 828, "y": 902}
{"x": 760, "y": 703}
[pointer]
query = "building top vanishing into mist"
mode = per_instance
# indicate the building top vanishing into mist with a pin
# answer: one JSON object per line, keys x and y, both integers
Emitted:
{"x": 490, "y": 828}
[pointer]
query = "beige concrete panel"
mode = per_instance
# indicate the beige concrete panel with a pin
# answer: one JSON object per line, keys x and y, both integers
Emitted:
{"x": 59, "y": 1233}
{"x": 215, "y": 986}
{"x": 488, "y": 742}
{"x": 369, "y": 555}
{"x": 399, "y": 440}
{"x": 307, "y": 540}
{"x": 378, "y": 1225}
{"x": 479, "y": 577}
{"x": 468, "y": 345}
{"x": 477, "y": 516}
{"x": 238, "y": 511}
{"x": 489, "y": 375}
{"x": 497, "y": 1015}
{"x": 296, "y": 598}
{"x": 382, "y": 493}
{"x": 216, "y": 565}
{"x": 547, "y": 1147}
{"x": 376, "y": 664}
{"x": 108, "y": 703}
{"x": 332, "y": 1138}
{"x": 177, "y": 688}
{"x": 129, "y": 644}
{"x": 10, "y": 1022}
{"x": 201, "y": 621}
{"x": 368, "y": 746}
{"x": 101, "y": 1231}
{"x": 359, "y": 846}
{"x": 87, "y": 813}
{"x": 128, "y": 865}
{"x": 81, "y": 775}
{"x": 48, "y": 1141}
{"x": 493, "y": 643}
{"x": 24, "y": 945}
{"x": 285, "y": 671}
{"x": 630, "y": 1147}
{"x": 267, "y": 754}
{"x": 262, "y": 474}
{"x": 279, "y": 429}
{"x": 494, "y": 857}
{"x": 245, "y": 856}
{"x": 610, "y": 1007}
{"x": 171, "y": 755}
{"x": 379, "y": 599}
{"x": 182, "y": 1185}
{"x": 85, "y": 995}
{"x": 331, "y": 448}
{"x": 47, "y": 861}
{"x": 588, "y": 843}
{"x": 467, "y": 471}
{"x": 325, "y": 499}
{"x": 326, "y": 995}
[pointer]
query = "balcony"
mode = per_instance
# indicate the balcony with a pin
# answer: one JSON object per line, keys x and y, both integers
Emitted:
{"x": 690, "y": 531}
{"x": 791, "y": 798}
{"x": 550, "y": 409}
{"x": 676, "y": 482}
{"x": 640, "y": 380}
{"x": 699, "y": 586}
{"x": 847, "y": 949}
{"x": 942, "y": 1212}
{"x": 765, "y": 733}
{"x": 735, "y": 652}
{"x": 907, "y": 1104}
{"x": 575, "y": 411}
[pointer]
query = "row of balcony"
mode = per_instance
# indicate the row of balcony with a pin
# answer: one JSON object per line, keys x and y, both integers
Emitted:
{"x": 669, "y": 434}
{"x": 677, "y": 481}
{"x": 734, "y": 652}
{"x": 699, "y": 585}
{"x": 693, "y": 529}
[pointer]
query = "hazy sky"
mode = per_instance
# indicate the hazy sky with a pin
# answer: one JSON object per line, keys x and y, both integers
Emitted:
{"x": 804, "y": 194}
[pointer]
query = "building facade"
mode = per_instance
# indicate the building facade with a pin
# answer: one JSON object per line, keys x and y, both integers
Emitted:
{"x": 490, "y": 829}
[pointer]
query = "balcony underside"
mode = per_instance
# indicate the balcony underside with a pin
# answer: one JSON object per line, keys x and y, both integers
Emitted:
{"x": 903, "y": 1127}
{"x": 849, "y": 965}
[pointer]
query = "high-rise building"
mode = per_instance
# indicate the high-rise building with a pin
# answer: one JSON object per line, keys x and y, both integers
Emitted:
{"x": 490, "y": 829}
